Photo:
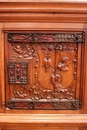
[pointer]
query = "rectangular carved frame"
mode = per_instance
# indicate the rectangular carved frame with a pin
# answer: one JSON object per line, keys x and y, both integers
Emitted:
{"x": 23, "y": 38}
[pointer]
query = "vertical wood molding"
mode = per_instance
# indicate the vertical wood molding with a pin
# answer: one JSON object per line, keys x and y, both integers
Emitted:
{"x": 2, "y": 90}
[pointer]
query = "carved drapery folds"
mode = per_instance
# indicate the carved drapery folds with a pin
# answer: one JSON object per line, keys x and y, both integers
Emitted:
{"x": 50, "y": 67}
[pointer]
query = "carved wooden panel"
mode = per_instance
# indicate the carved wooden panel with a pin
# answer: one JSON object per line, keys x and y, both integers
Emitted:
{"x": 51, "y": 67}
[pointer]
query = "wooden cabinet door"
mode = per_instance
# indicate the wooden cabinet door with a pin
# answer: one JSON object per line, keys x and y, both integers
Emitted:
{"x": 43, "y": 70}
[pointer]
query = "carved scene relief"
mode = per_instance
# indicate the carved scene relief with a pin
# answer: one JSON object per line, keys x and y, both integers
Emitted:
{"x": 42, "y": 70}
{"x": 50, "y": 66}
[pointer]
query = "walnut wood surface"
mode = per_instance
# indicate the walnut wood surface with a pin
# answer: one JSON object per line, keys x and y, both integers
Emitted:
{"x": 43, "y": 12}
{"x": 64, "y": 1}
{"x": 51, "y": 119}
{"x": 43, "y": 16}
{"x": 50, "y": 64}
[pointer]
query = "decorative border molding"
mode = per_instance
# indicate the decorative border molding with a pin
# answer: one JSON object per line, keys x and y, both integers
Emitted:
{"x": 46, "y": 37}
{"x": 42, "y": 105}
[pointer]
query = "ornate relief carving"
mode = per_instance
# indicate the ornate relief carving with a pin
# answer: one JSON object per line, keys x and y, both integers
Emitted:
{"x": 29, "y": 51}
{"x": 37, "y": 92}
{"x": 49, "y": 59}
{"x": 18, "y": 72}
{"x": 20, "y": 91}
{"x": 56, "y": 80}
{"x": 47, "y": 62}
{"x": 59, "y": 105}
{"x": 75, "y": 65}
{"x": 22, "y": 51}
{"x": 46, "y": 37}
{"x": 63, "y": 65}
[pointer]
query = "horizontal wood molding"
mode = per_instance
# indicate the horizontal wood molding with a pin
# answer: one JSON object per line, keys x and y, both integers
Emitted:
{"x": 43, "y": 12}
{"x": 44, "y": 119}
{"x": 64, "y": 1}
{"x": 30, "y": 7}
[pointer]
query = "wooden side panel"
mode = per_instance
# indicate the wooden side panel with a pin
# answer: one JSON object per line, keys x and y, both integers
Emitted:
{"x": 84, "y": 73}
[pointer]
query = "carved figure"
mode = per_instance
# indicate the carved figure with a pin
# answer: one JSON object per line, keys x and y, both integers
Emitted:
{"x": 64, "y": 64}
{"x": 56, "y": 80}
{"x": 18, "y": 49}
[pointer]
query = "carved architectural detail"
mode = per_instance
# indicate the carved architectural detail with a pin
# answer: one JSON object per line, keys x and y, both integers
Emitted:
{"x": 46, "y": 37}
{"x": 18, "y": 72}
{"x": 58, "y": 105}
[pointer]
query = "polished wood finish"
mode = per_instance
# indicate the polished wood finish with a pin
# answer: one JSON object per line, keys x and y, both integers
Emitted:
{"x": 43, "y": 16}
{"x": 49, "y": 60}
{"x": 43, "y": 12}
{"x": 45, "y": 119}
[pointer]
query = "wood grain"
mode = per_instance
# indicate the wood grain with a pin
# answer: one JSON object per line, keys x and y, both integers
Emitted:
{"x": 44, "y": 119}
{"x": 1, "y": 68}
{"x": 43, "y": 12}
{"x": 46, "y": 127}
{"x": 45, "y": 15}
{"x": 64, "y": 1}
